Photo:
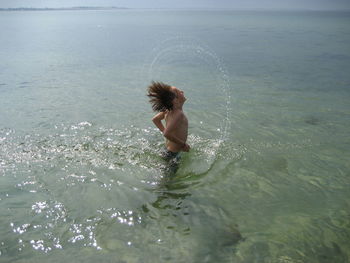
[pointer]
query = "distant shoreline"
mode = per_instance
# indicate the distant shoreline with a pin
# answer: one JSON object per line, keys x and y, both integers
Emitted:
{"x": 62, "y": 8}
{"x": 87, "y": 8}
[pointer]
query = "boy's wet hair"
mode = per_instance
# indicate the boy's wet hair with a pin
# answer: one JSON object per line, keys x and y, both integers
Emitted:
{"x": 161, "y": 96}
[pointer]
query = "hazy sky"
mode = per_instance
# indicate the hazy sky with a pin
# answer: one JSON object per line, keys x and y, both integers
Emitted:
{"x": 236, "y": 4}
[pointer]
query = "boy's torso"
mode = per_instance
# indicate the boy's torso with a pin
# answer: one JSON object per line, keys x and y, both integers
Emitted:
{"x": 181, "y": 131}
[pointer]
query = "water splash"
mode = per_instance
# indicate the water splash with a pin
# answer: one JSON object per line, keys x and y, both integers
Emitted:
{"x": 80, "y": 176}
{"x": 177, "y": 58}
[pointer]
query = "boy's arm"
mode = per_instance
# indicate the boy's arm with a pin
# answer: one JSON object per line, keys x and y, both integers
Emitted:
{"x": 157, "y": 120}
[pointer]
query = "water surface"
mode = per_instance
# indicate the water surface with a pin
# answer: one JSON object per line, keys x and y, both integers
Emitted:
{"x": 81, "y": 175}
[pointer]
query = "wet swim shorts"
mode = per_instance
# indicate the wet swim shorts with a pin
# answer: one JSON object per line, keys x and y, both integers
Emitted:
{"x": 173, "y": 159}
{"x": 169, "y": 155}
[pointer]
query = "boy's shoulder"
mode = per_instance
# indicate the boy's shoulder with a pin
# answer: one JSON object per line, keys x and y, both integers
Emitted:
{"x": 175, "y": 114}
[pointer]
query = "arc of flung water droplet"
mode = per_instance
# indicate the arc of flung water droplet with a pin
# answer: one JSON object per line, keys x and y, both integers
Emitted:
{"x": 172, "y": 47}
{"x": 219, "y": 66}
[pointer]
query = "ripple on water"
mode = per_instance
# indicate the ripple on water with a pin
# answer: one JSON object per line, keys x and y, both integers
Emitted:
{"x": 80, "y": 181}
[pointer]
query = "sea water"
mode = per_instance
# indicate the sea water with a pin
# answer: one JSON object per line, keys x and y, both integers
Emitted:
{"x": 267, "y": 177}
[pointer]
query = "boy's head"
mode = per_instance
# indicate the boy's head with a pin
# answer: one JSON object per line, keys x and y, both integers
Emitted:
{"x": 161, "y": 96}
{"x": 165, "y": 97}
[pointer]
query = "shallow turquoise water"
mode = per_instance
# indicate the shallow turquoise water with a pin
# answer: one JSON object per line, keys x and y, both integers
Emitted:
{"x": 266, "y": 180}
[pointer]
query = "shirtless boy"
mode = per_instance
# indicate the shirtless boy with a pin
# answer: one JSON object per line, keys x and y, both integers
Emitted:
{"x": 168, "y": 101}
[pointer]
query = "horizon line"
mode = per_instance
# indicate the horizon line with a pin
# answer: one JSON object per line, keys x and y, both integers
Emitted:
{"x": 162, "y": 8}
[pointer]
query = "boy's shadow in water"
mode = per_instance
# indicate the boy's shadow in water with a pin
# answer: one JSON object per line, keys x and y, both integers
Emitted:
{"x": 172, "y": 191}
